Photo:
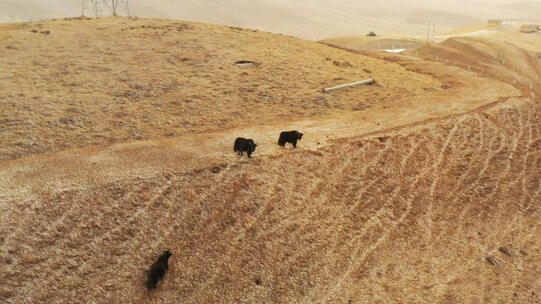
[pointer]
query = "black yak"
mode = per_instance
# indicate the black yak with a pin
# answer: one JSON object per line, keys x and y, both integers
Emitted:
{"x": 158, "y": 269}
{"x": 244, "y": 144}
{"x": 289, "y": 137}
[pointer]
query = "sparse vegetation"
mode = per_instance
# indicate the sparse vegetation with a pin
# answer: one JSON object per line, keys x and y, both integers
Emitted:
{"x": 139, "y": 78}
{"x": 404, "y": 191}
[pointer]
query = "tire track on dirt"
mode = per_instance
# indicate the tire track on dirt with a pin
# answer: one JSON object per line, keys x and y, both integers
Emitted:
{"x": 140, "y": 212}
{"x": 380, "y": 211}
{"x": 536, "y": 194}
{"x": 25, "y": 218}
{"x": 370, "y": 165}
{"x": 357, "y": 262}
{"x": 213, "y": 221}
{"x": 150, "y": 239}
{"x": 490, "y": 252}
{"x": 89, "y": 246}
{"x": 224, "y": 174}
{"x": 127, "y": 196}
{"x": 325, "y": 188}
{"x": 265, "y": 207}
{"x": 461, "y": 226}
{"x": 519, "y": 218}
{"x": 437, "y": 164}
{"x": 357, "y": 179}
{"x": 394, "y": 224}
{"x": 475, "y": 183}
{"x": 345, "y": 195}
{"x": 527, "y": 153}
{"x": 507, "y": 231}
{"x": 473, "y": 160}
{"x": 512, "y": 155}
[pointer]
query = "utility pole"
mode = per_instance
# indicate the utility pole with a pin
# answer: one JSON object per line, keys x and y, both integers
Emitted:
{"x": 114, "y": 4}
{"x": 97, "y": 6}
{"x": 120, "y": 4}
{"x": 428, "y": 30}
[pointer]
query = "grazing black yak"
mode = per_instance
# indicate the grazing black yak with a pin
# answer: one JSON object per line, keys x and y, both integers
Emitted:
{"x": 289, "y": 137}
{"x": 244, "y": 144}
{"x": 158, "y": 269}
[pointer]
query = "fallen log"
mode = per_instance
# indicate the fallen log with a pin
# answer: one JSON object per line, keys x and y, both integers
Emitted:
{"x": 366, "y": 81}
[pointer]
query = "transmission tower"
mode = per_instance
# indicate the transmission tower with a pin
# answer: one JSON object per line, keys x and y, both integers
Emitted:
{"x": 99, "y": 8}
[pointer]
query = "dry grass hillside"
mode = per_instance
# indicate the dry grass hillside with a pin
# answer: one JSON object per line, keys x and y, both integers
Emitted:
{"x": 403, "y": 216}
{"x": 92, "y": 82}
{"x": 494, "y": 58}
{"x": 400, "y": 192}
{"x": 528, "y": 41}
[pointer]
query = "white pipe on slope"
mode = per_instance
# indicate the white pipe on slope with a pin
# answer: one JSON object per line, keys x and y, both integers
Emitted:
{"x": 366, "y": 81}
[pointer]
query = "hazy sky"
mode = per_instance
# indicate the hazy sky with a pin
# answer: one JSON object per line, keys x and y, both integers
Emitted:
{"x": 31, "y": 8}
{"x": 312, "y": 19}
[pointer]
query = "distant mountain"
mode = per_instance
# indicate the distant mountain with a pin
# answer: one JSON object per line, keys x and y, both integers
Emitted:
{"x": 310, "y": 19}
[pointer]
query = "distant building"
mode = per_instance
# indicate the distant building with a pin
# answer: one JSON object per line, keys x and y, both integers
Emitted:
{"x": 528, "y": 28}
{"x": 494, "y": 23}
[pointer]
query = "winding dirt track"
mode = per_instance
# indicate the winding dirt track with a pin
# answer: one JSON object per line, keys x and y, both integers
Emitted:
{"x": 405, "y": 212}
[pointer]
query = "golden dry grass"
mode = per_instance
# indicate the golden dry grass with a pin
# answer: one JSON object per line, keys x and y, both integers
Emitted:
{"x": 528, "y": 41}
{"x": 93, "y": 82}
{"x": 397, "y": 203}
{"x": 404, "y": 216}
{"x": 492, "y": 58}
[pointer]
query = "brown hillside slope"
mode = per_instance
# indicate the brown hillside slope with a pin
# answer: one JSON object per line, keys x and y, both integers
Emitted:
{"x": 134, "y": 79}
{"x": 525, "y": 41}
{"x": 404, "y": 216}
{"x": 489, "y": 57}
{"x": 507, "y": 56}
{"x": 100, "y": 81}
{"x": 366, "y": 210}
